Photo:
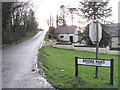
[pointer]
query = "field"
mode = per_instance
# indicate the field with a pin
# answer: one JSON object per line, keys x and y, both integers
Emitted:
{"x": 59, "y": 67}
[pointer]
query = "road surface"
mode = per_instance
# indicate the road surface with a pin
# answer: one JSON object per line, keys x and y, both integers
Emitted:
{"x": 19, "y": 60}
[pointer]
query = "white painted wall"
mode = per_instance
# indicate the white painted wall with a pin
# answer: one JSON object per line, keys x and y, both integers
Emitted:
{"x": 66, "y": 37}
{"x": 114, "y": 42}
{"x": 76, "y": 38}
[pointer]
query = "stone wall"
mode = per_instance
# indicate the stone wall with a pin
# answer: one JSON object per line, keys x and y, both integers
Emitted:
{"x": 90, "y": 49}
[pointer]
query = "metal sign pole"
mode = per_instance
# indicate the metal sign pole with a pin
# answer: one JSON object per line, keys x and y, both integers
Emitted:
{"x": 76, "y": 66}
{"x": 111, "y": 71}
{"x": 97, "y": 47}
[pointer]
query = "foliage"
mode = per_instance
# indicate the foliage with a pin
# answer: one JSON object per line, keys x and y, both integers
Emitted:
{"x": 47, "y": 37}
{"x": 86, "y": 38}
{"x": 51, "y": 30}
{"x": 95, "y": 10}
{"x": 105, "y": 41}
{"x": 18, "y": 21}
{"x": 59, "y": 67}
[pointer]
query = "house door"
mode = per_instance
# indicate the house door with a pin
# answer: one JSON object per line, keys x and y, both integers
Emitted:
{"x": 71, "y": 38}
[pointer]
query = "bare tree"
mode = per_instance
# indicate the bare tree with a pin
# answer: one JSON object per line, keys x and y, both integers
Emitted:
{"x": 61, "y": 17}
{"x": 72, "y": 12}
{"x": 18, "y": 21}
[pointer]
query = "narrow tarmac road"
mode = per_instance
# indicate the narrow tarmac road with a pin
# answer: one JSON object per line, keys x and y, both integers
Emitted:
{"x": 17, "y": 63}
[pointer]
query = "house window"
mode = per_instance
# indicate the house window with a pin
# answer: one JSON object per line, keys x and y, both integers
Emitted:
{"x": 61, "y": 36}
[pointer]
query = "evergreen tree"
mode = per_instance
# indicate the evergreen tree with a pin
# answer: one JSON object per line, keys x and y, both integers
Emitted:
{"x": 95, "y": 10}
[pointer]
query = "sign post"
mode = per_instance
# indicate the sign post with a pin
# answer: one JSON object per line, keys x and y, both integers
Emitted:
{"x": 96, "y": 63}
{"x": 111, "y": 71}
{"x": 97, "y": 48}
{"x": 95, "y": 34}
{"x": 76, "y": 66}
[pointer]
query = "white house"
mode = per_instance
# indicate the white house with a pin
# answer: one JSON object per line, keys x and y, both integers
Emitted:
{"x": 115, "y": 42}
{"x": 114, "y": 32}
{"x": 66, "y": 33}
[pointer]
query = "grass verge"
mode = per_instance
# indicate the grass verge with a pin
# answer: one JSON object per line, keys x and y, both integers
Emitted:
{"x": 59, "y": 67}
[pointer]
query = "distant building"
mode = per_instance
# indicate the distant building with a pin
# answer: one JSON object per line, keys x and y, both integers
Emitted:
{"x": 66, "y": 33}
{"x": 110, "y": 36}
{"x": 114, "y": 32}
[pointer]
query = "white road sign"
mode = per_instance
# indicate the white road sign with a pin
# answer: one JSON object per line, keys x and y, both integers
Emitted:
{"x": 93, "y": 32}
{"x": 94, "y": 62}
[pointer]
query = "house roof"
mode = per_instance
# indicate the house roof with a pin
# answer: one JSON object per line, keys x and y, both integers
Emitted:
{"x": 65, "y": 30}
{"x": 113, "y": 30}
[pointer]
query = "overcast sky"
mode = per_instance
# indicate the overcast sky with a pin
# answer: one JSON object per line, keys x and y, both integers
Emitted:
{"x": 45, "y": 8}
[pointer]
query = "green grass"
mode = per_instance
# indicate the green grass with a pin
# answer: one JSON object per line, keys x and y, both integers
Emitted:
{"x": 59, "y": 67}
{"x": 46, "y": 37}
